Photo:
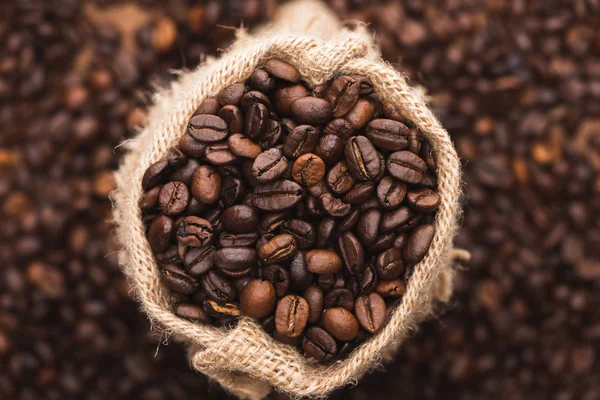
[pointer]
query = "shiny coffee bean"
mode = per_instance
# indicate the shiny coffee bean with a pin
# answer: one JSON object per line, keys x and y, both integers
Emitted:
{"x": 240, "y": 219}
{"x": 423, "y": 200}
{"x": 342, "y": 94}
{"x": 349, "y": 221}
{"x": 278, "y": 195}
{"x": 252, "y": 97}
{"x": 269, "y": 165}
{"x": 362, "y": 159}
{"x": 186, "y": 172}
{"x": 262, "y": 80}
{"x": 339, "y": 127}
{"x": 394, "y": 288}
{"x": 282, "y": 70}
{"x": 340, "y": 323}
{"x": 389, "y": 264}
{"x": 300, "y": 276}
{"x": 339, "y": 297}
{"x": 359, "y": 193}
{"x": 271, "y": 136}
{"x": 227, "y": 239}
{"x": 194, "y": 231}
{"x": 149, "y": 199}
{"x": 302, "y": 231}
{"x": 329, "y": 148}
{"x": 219, "y": 154}
{"x": 387, "y": 134}
{"x": 256, "y": 121}
{"x": 367, "y": 228}
{"x": 209, "y": 105}
{"x": 160, "y": 233}
{"x": 232, "y": 191}
{"x": 243, "y": 146}
{"x": 207, "y": 128}
{"x": 308, "y": 169}
{"x": 321, "y": 261}
{"x": 192, "y": 312}
{"x": 191, "y": 147}
{"x": 334, "y": 206}
{"x": 311, "y": 110}
{"x": 232, "y": 94}
{"x": 199, "y": 260}
{"x": 324, "y": 232}
{"x": 339, "y": 178}
{"x": 279, "y": 277}
{"x": 272, "y": 221}
{"x": 157, "y": 173}
{"x": 173, "y": 198}
{"x": 406, "y": 167}
{"x": 177, "y": 280}
{"x": 235, "y": 261}
{"x": 360, "y": 115}
{"x": 390, "y": 192}
{"x": 370, "y": 312}
{"x": 301, "y": 140}
{"x": 280, "y": 248}
{"x": 395, "y": 219}
{"x": 368, "y": 281}
{"x": 326, "y": 281}
{"x": 176, "y": 158}
{"x": 352, "y": 253}
{"x": 217, "y": 288}
{"x": 291, "y": 316}
{"x": 258, "y": 298}
{"x": 226, "y": 311}
{"x": 418, "y": 243}
{"x": 315, "y": 297}
{"x": 318, "y": 344}
{"x": 286, "y": 95}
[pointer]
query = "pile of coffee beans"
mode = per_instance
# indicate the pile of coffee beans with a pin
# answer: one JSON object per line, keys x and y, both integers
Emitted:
{"x": 305, "y": 208}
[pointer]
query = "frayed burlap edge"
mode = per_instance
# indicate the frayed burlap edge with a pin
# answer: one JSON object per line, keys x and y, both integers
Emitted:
{"x": 246, "y": 361}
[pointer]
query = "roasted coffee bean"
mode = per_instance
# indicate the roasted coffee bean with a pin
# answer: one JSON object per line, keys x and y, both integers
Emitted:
{"x": 258, "y": 298}
{"x": 199, "y": 260}
{"x": 423, "y": 200}
{"x": 315, "y": 297}
{"x": 262, "y": 80}
{"x": 308, "y": 169}
{"x": 334, "y": 206}
{"x": 418, "y": 243}
{"x": 173, "y": 198}
{"x": 240, "y": 219}
{"x": 217, "y": 288}
{"x": 313, "y": 207}
{"x": 324, "y": 232}
{"x": 257, "y": 120}
{"x": 286, "y": 95}
{"x": 326, "y": 281}
{"x": 207, "y": 128}
{"x": 329, "y": 148}
{"x": 192, "y": 312}
{"x": 339, "y": 178}
{"x": 311, "y": 110}
{"x": 387, "y": 134}
{"x": 209, "y": 105}
{"x": 157, "y": 173}
{"x": 194, "y": 231}
{"x": 369, "y": 280}
{"x": 414, "y": 144}
{"x": 206, "y": 184}
{"x": 340, "y": 323}
{"x": 232, "y": 94}
{"x": 271, "y": 222}
{"x": 234, "y": 118}
{"x": 243, "y": 146}
{"x": 232, "y": 191}
{"x": 369, "y": 204}
{"x": 400, "y": 241}
{"x": 365, "y": 86}
{"x": 301, "y": 140}
{"x": 349, "y": 221}
{"x": 160, "y": 233}
{"x": 227, "y": 239}
{"x": 185, "y": 173}
{"x": 319, "y": 90}
{"x": 217, "y": 309}
{"x": 407, "y": 167}
{"x": 252, "y": 97}
{"x": 359, "y": 193}
{"x": 191, "y": 147}
{"x": 149, "y": 199}
{"x": 394, "y": 288}
{"x": 389, "y": 264}
{"x": 352, "y": 253}
{"x": 291, "y": 316}
{"x": 339, "y": 297}
{"x": 269, "y": 165}
{"x": 195, "y": 207}
{"x": 177, "y": 280}
{"x": 271, "y": 136}
{"x": 360, "y": 115}
{"x": 318, "y": 189}
{"x": 318, "y": 344}
{"x": 321, "y": 261}
{"x": 390, "y": 193}
{"x": 300, "y": 276}
{"x": 219, "y": 154}
{"x": 362, "y": 159}
{"x": 278, "y": 195}
{"x": 282, "y": 70}
{"x": 176, "y": 158}
{"x": 367, "y": 228}
{"x": 279, "y": 277}
{"x": 235, "y": 261}
{"x": 171, "y": 256}
{"x": 302, "y": 231}
{"x": 339, "y": 127}
{"x": 370, "y": 312}
{"x": 342, "y": 94}
{"x": 280, "y": 248}
{"x": 394, "y": 219}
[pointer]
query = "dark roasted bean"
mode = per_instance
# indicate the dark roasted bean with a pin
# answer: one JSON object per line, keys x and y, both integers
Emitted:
{"x": 318, "y": 344}
{"x": 278, "y": 195}
{"x": 269, "y": 165}
{"x": 160, "y": 233}
{"x": 387, "y": 134}
{"x": 389, "y": 264}
{"x": 339, "y": 297}
{"x": 370, "y": 312}
{"x": 362, "y": 159}
{"x": 217, "y": 288}
{"x": 311, "y": 110}
{"x": 279, "y": 277}
{"x": 174, "y": 198}
{"x": 207, "y": 128}
{"x": 199, "y": 260}
{"x": 291, "y": 316}
{"x": 175, "y": 278}
{"x": 418, "y": 243}
{"x": 302, "y": 231}
{"x": 407, "y": 167}
{"x": 301, "y": 140}
{"x": 423, "y": 200}
{"x": 240, "y": 219}
{"x": 282, "y": 70}
{"x": 342, "y": 94}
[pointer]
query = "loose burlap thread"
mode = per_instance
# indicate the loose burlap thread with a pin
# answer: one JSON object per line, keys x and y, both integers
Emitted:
{"x": 245, "y": 360}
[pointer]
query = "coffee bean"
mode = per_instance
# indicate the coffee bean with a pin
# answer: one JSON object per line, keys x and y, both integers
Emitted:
{"x": 334, "y": 206}
{"x": 232, "y": 94}
{"x": 199, "y": 260}
{"x": 279, "y": 277}
{"x": 387, "y": 134}
{"x": 217, "y": 309}
{"x": 239, "y": 219}
{"x": 219, "y": 154}
{"x": 389, "y": 264}
{"x": 326, "y": 281}
{"x": 156, "y": 174}
{"x": 342, "y": 94}
{"x": 428, "y": 155}
{"x": 339, "y": 297}
{"x": 407, "y": 167}
{"x": 367, "y": 228}
{"x": 257, "y": 299}
{"x": 149, "y": 199}
{"x": 286, "y": 95}
{"x": 291, "y": 316}
{"x": 170, "y": 256}
{"x": 176, "y": 158}
{"x": 339, "y": 127}
{"x": 352, "y": 253}
{"x": 308, "y": 169}
{"x": 194, "y": 231}
{"x": 360, "y": 114}
{"x": 339, "y": 178}
{"x": 315, "y": 298}
{"x": 257, "y": 120}
{"x": 390, "y": 193}
{"x": 340, "y": 323}
{"x": 191, "y": 147}
{"x": 193, "y": 312}
{"x": 173, "y": 198}
{"x": 271, "y": 136}
{"x": 369, "y": 280}
{"x": 235, "y": 261}
{"x": 160, "y": 233}
{"x": 217, "y": 288}
{"x": 365, "y": 86}
{"x": 278, "y": 195}
{"x": 418, "y": 243}
{"x": 301, "y": 140}
{"x": 269, "y": 165}
{"x": 321, "y": 261}
{"x": 349, "y": 221}
{"x": 370, "y": 312}
{"x": 313, "y": 207}
{"x": 302, "y": 231}
{"x": 318, "y": 344}
{"x": 206, "y": 184}
{"x": 185, "y": 173}
{"x": 280, "y": 248}
{"x": 207, "y": 128}
{"x": 176, "y": 279}
{"x": 271, "y": 222}
{"x": 423, "y": 200}
{"x": 359, "y": 193}
{"x": 243, "y": 146}
{"x": 252, "y": 97}
{"x": 394, "y": 219}
{"x": 362, "y": 159}
{"x": 311, "y": 110}
{"x": 394, "y": 288}
{"x": 324, "y": 232}
{"x": 233, "y": 117}
{"x": 262, "y": 80}
{"x": 227, "y": 239}
{"x": 209, "y": 105}
{"x": 282, "y": 70}
{"x": 329, "y": 148}
{"x": 232, "y": 191}
{"x": 300, "y": 277}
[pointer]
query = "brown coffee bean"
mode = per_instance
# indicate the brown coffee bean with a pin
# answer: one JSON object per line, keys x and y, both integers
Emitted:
{"x": 282, "y": 70}
{"x": 371, "y": 312}
{"x": 206, "y": 184}
{"x": 258, "y": 298}
{"x": 311, "y": 110}
{"x": 394, "y": 288}
{"x": 252, "y": 97}
{"x": 177, "y": 280}
{"x": 176, "y": 158}
{"x": 318, "y": 344}
{"x": 280, "y": 248}
{"x": 423, "y": 200}
{"x": 300, "y": 277}
{"x": 407, "y": 167}
{"x": 394, "y": 219}
{"x": 322, "y": 261}
{"x": 191, "y": 147}
{"x": 339, "y": 127}
{"x": 217, "y": 287}
{"x": 340, "y": 323}
{"x": 270, "y": 165}
{"x": 256, "y": 121}
{"x": 286, "y": 95}
{"x": 302, "y": 231}
{"x": 233, "y": 117}
{"x": 149, "y": 199}
{"x": 383, "y": 242}
{"x": 352, "y": 253}
{"x": 278, "y": 195}
{"x": 418, "y": 243}
{"x": 243, "y": 146}
{"x": 199, "y": 260}
{"x": 174, "y": 198}
{"x": 209, "y": 105}
{"x": 329, "y": 148}
{"x": 315, "y": 298}
{"x": 308, "y": 169}
{"x": 365, "y": 86}
{"x": 262, "y": 80}
{"x": 240, "y": 218}
{"x": 227, "y": 239}
{"x": 279, "y": 277}
{"x": 339, "y": 178}
{"x": 390, "y": 192}
{"x": 324, "y": 232}
{"x": 334, "y": 206}
{"x": 219, "y": 154}
{"x": 360, "y": 114}
{"x": 362, "y": 159}
{"x": 291, "y": 316}
{"x": 367, "y": 228}
{"x": 232, "y": 94}
{"x": 160, "y": 233}
{"x": 207, "y": 128}
{"x": 193, "y": 312}
{"x": 360, "y": 193}
{"x": 342, "y": 94}
{"x": 156, "y": 174}
{"x": 301, "y": 140}
{"x": 271, "y": 222}
{"x": 339, "y": 297}
{"x": 387, "y": 134}
{"x": 389, "y": 264}
{"x": 194, "y": 231}
{"x": 349, "y": 221}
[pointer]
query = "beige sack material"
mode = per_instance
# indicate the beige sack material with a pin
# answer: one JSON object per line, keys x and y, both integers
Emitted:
{"x": 246, "y": 361}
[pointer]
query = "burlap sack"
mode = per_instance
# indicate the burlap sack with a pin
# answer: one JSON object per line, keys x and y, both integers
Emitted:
{"x": 246, "y": 361}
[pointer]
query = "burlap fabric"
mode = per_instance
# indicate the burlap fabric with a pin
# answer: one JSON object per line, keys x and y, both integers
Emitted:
{"x": 246, "y": 361}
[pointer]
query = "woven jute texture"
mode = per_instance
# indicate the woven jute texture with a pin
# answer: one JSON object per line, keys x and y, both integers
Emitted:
{"x": 245, "y": 360}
